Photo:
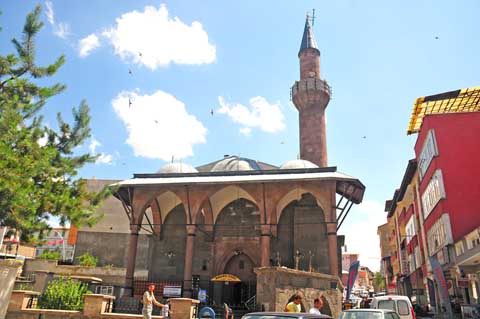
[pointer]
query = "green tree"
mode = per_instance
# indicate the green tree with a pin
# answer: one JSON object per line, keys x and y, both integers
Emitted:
{"x": 52, "y": 255}
{"x": 39, "y": 180}
{"x": 64, "y": 294}
{"x": 87, "y": 260}
{"x": 379, "y": 281}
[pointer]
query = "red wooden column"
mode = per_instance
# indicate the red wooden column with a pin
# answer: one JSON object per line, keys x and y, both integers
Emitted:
{"x": 189, "y": 247}
{"x": 131, "y": 257}
{"x": 265, "y": 246}
{"x": 332, "y": 234}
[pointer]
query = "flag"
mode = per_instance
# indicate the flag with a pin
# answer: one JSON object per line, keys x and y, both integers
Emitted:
{"x": 442, "y": 284}
{"x": 352, "y": 276}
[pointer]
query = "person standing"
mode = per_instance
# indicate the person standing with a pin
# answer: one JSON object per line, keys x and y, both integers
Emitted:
{"x": 317, "y": 305}
{"x": 148, "y": 302}
{"x": 295, "y": 305}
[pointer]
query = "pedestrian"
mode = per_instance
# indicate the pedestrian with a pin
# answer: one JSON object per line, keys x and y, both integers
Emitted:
{"x": 166, "y": 310}
{"x": 148, "y": 302}
{"x": 295, "y": 305}
{"x": 317, "y": 305}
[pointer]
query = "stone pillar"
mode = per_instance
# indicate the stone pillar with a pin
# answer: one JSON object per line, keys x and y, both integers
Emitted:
{"x": 265, "y": 246}
{"x": 95, "y": 305}
{"x": 132, "y": 255}
{"x": 183, "y": 308}
{"x": 332, "y": 248}
{"x": 187, "y": 275}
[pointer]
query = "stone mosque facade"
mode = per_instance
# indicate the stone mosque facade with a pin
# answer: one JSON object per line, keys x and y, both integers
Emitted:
{"x": 235, "y": 216}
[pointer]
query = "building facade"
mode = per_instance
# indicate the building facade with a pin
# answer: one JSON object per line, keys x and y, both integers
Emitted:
{"x": 191, "y": 227}
{"x": 435, "y": 211}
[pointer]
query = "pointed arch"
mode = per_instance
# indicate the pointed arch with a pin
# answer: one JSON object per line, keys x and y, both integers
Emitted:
{"x": 293, "y": 195}
{"x": 225, "y": 196}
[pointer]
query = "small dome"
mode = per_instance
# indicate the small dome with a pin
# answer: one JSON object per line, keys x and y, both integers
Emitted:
{"x": 173, "y": 168}
{"x": 296, "y": 164}
{"x": 235, "y": 163}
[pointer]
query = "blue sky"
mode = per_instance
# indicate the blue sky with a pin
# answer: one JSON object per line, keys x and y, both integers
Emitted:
{"x": 378, "y": 56}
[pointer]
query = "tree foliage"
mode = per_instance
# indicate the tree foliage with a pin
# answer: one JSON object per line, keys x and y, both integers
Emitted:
{"x": 87, "y": 260}
{"x": 63, "y": 294}
{"x": 51, "y": 255}
{"x": 379, "y": 281}
{"x": 38, "y": 165}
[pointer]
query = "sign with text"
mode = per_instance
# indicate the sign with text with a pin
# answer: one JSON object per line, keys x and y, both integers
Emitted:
{"x": 172, "y": 291}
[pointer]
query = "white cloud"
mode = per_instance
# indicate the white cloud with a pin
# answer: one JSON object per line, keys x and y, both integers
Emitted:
{"x": 104, "y": 159}
{"x": 49, "y": 12}
{"x": 259, "y": 114}
{"x": 93, "y": 145}
{"x": 42, "y": 141}
{"x": 62, "y": 30}
{"x": 88, "y": 44}
{"x": 246, "y": 131}
{"x": 155, "y": 39}
{"x": 361, "y": 232}
{"x": 158, "y": 125}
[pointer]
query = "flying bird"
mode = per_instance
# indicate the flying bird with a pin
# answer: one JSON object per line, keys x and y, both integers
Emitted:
{"x": 211, "y": 112}
{"x": 129, "y": 103}
{"x": 140, "y": 53}
{"x": 156, "y": 121}
{"x": 364, "y": 136}
{"x": 129, "y": 71}
{"x": 436, "y": 38}
{"x": 282, "y": 142}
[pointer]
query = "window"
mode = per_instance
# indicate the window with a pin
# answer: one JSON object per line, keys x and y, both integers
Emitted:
{"x": 418, "y": 257}
{"x": 433, "y": 193}
{"x": 429, "y": 151}
{"x": 403, "y": 308}
{"x": 473, "y": 239}
{"x": 459, "y": 248}
{"x": 205, "y": 265}
{"x": 241, "y": 264}
{"x": 387, "y": 304}
{"x": 439, "y": 234}
{"x": 104, "y": 290}
{"x": 410, "y": 229}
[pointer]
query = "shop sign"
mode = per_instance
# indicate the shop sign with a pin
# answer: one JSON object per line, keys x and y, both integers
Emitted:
{"x": 172, "y": 291}
{"x": 462, "y": 282}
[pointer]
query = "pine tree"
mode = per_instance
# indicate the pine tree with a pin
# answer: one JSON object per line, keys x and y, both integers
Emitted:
{"x": 38, "y": 167}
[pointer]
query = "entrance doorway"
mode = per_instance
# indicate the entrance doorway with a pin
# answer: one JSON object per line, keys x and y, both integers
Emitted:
{"x": 238, "y": 295}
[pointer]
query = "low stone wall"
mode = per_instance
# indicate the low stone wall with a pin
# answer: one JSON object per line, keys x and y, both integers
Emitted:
{"x": 8, "y": 272}
{"x": 110, "y": 275}
{"x": 276, "y": 285}
{"x": 95, "y": 307}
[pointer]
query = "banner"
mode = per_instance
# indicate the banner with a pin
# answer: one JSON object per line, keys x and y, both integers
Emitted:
{"x": 442, "y": 285}
{"x": 352, "y": 276}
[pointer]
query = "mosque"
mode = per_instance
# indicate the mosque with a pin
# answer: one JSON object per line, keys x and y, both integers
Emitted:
{"x": 191, "y": 226}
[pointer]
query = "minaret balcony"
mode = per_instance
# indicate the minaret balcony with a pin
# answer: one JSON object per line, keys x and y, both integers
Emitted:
{"x": 310, "y": 91}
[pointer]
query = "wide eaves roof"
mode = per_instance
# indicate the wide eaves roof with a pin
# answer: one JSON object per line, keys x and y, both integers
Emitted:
{"x": 347, "y": 185}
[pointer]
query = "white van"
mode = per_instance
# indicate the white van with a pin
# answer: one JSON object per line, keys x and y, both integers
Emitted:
{"x": 399, "y": 304}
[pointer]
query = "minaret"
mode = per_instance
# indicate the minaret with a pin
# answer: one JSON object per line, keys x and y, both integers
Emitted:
{"x": 311, "y": 96}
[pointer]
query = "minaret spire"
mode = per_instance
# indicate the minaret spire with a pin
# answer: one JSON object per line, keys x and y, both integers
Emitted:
{"x": 308, "y": 39}
{"x": 311, "y": 95}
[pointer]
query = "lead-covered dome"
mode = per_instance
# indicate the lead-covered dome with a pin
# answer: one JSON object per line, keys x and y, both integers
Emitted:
{"x": 299, "y": 163}
{"x": 173, "y": 168}
{"x": 235, "y": 163}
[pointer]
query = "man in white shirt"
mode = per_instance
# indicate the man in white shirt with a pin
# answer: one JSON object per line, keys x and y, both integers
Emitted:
{"x": 317, "y": 305}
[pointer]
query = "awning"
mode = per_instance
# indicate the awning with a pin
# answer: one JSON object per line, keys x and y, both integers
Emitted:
{"x": 226, "y": 278}
{"x": 466, "y": 100}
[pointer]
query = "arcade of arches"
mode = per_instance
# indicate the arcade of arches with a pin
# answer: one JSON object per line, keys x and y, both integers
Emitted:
{"x": 207, "y": 230}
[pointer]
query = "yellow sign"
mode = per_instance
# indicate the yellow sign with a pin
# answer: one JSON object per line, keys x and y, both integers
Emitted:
{"x": 226, "y": 277}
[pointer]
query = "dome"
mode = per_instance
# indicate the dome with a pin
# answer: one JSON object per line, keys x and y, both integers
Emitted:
{"x": 297, "y": 164}
{"x": 173, "y": 168}
{"x": 235, "y": 163}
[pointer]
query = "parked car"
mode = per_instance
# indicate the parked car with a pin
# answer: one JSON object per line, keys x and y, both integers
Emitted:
{"x": 400, "y": 304}
{"x": 283, "y": 315}
{"x": 369, "y": 314}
